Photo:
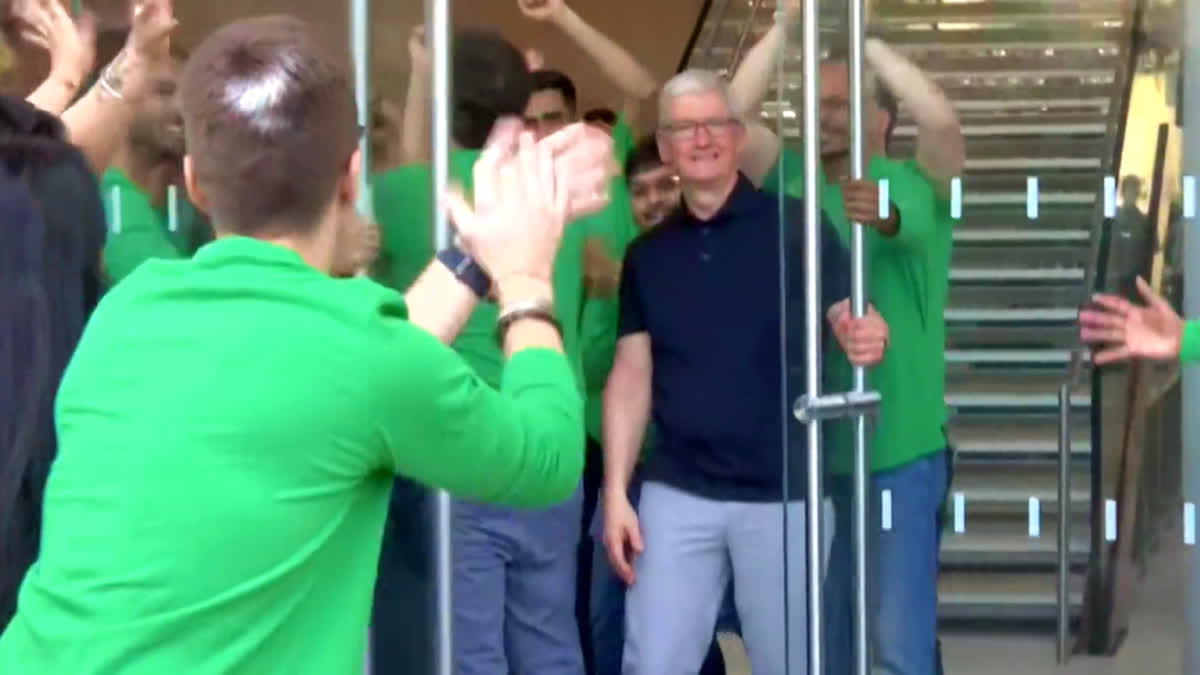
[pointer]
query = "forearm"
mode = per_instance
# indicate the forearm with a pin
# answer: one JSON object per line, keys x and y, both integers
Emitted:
{"x": 626, "y": 416}
{"x": 617, "y": 64}
{"x": 753, "y": 77}
{"x": 55, "y": 93}
{"x": 439, "y": 303}
{"x": 98, "y": 123}
{"x": 941, "y": 149}
{"x": 415, "y": 132}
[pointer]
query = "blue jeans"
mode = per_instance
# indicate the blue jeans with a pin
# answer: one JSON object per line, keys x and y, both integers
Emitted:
{"x": 607, "y": 604}
{"x": 902, "y": 569}
{"x": 514, "y": 589}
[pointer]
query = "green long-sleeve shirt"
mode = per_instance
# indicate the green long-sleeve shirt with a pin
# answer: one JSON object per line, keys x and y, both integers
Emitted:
{"x": 1189, "y": 350}
{"x": 229, "y": 428}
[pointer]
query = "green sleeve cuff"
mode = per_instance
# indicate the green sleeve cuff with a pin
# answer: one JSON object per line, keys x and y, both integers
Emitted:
{"x": 1189, "y": 348}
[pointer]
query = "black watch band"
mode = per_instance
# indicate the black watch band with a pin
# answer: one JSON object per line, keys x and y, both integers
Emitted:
{"x": 465, "y": 269}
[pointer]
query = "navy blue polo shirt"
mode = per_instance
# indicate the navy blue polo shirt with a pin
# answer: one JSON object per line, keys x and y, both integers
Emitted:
{"x": 708, "y": 294}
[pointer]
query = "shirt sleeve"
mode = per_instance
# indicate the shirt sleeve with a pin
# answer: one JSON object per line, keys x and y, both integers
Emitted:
{"x": 631, "y": 316}
{"x": 923, "y": 211}
{"x": 623, "y": 140}
{"x": 786, "y": 175}
{"x": 136, "y": 234}
{"x": 521, "y": 445}
{"x": 1189, "y": 350}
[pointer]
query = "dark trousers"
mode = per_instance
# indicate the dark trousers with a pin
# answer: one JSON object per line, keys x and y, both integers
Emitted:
{"x": 402, "y": 620}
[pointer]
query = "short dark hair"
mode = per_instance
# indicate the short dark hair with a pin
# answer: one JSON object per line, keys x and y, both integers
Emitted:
{"x": 270, "y": 121}
{"x": 491, "y": 80}
{"x": 644, "y": 157}
{"x": 554, "y": 80}
{"x": 601, "y": 115}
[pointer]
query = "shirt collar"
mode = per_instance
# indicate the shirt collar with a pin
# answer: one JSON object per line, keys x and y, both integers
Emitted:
{"x": 740, "y": 202}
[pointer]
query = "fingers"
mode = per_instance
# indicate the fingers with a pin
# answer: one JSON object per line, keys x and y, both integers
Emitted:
{"x": 461, "y": 214}
{"x": 500, "y": 146}
{"x": 837, "y": 310}
{"x": 614, "y": 545}
{"x": 1092, "y": 335}
{"x": 1098, "y": 319}
{"x": 1153, "y": 300}
{"x": 1113, "y": 303}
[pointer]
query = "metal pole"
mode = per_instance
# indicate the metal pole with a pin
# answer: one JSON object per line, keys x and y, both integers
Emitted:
{"x": 1190, "y": 433}
{"x": 1064, "y": 523}
{"x": 437, "y": 13}
{"x": 360, "y": 48}
{"x": 858, "y": 305}
{"x": 812, "y": 333}
{"x": 360, "y": 44}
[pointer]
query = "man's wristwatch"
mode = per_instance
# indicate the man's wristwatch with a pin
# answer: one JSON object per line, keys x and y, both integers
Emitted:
{"x": 465, "y": 269}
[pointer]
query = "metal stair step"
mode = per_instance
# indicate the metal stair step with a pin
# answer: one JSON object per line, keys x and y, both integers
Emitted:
{"x": 1005, "y": 542}
{"x": 979, "y": 235}
{"x": 1016, "y": 295}
{"x": 987, "y": 491}
{"x": 1022, "y": 315}
{"x": 1012, "y": 596}
{"x": 994, "y": 441}
{"x": 1049, "y": 275}
{"x": 1031, "y": 129}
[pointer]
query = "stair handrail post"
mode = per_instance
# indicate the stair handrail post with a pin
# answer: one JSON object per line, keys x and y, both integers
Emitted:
{"x": 1063, "y": 600}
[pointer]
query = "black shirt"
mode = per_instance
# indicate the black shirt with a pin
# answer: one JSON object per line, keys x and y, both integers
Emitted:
{"x": 709, "y": 295}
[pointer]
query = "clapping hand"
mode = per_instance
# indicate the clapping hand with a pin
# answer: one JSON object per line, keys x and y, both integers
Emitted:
{"x": 1123, "y": 330}
{"x": 70, "y": 42}
{"x": 525, "y": 191}
{"x": 148, "y": 45}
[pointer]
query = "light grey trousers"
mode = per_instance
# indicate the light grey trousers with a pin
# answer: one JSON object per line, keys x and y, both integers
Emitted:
{"x": 692, "y": 546}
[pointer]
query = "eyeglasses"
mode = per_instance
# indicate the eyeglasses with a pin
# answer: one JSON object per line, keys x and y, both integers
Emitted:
{"x": 689, "y": 128}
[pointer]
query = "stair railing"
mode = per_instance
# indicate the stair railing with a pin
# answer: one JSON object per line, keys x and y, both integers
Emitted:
{"x": 1089, "y": 638}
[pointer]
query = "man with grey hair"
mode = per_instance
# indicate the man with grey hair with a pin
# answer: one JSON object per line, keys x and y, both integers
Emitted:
{"x": 699, "y": 345}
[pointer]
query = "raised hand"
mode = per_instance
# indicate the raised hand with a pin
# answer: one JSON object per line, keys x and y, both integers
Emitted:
{"x": 70, "y": 42}
{"x": 525, "y": 191}
{"x": 542, "y": 10}
{"x": 148, "y": 45}
{"x": 534, "y": 60}
{"x": 1123, "y": 330}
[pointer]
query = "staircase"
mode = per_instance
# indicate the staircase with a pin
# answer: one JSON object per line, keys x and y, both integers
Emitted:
{"x": 1034, "y": 84}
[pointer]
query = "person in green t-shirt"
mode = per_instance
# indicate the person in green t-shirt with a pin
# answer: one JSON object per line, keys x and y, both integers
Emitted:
{"x": 135, "y": 187}
{"x": 229, "y": 425}
{"x": 908, "y": 258}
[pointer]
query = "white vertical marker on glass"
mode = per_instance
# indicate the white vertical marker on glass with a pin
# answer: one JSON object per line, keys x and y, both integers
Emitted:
{"x": 885, "y": 199}
{"x": 1189, "y": 523}
{"x": 885, "y": 510}
{"x": 960, "y": 516}
{"x": 115, "y": 209}
{"x": 1031, "y": 197}
{"x": 172, "y": 208}
{"x": 956, "y": 198}
{"x": 1189, "y": 197}
{"x": 1110, "y": 520}
{"x": 1035, "y": 518}
{"x": 1110, "y": 196}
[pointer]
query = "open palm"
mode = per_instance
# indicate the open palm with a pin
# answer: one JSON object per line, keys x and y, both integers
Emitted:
{"x": 1122, "y": 330}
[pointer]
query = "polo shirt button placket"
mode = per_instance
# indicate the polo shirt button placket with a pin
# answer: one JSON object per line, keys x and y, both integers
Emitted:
{"x": 705, "y": 256}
